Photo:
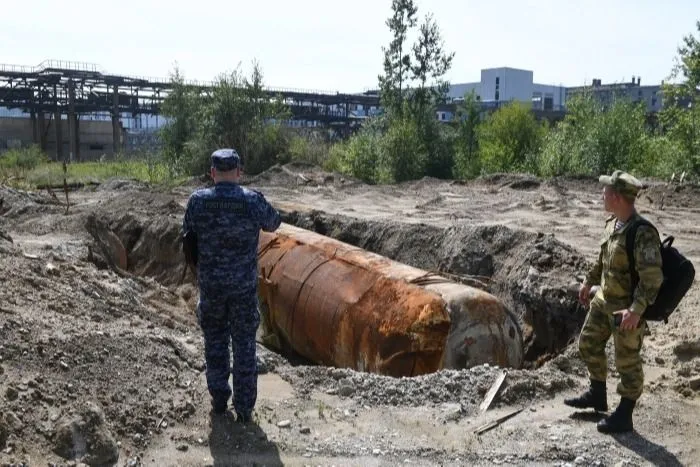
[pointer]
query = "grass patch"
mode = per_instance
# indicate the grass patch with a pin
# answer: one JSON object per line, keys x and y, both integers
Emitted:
{"x": 97, "y": 172}
{"x": 15, "y": 171}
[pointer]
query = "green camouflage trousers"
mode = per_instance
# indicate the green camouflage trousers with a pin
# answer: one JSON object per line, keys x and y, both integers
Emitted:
{"x": 597, "y": 328}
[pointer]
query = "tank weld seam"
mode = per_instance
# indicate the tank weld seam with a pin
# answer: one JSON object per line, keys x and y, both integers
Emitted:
{"x": 303, "y": 284}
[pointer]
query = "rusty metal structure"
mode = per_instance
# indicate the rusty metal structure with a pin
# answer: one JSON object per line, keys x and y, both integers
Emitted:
{"x": 55, "y": 88}
{"x": 343, "y": 306}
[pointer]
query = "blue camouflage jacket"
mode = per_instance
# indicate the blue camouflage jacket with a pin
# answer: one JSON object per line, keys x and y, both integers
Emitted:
{"x": 226, "y": 220}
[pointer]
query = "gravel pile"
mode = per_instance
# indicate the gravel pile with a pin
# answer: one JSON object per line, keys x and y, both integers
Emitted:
{"x": 464, "y": 387}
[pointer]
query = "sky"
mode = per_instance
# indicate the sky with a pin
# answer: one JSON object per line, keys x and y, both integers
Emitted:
{"x": 337, "y": 46}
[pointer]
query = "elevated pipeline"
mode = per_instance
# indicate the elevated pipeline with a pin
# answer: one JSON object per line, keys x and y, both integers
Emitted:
{"x": 343, "y": 306}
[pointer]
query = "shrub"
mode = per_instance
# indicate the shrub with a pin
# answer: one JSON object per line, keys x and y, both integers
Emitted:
{"x": 23, "y": 158}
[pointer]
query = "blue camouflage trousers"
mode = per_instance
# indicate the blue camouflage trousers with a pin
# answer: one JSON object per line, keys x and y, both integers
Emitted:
{"x": 230, "y": 323}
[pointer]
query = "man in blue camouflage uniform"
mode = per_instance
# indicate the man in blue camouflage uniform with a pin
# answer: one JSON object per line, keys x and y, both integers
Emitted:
{"x": 617, "y": 308}
{"x": 226, "y": 220}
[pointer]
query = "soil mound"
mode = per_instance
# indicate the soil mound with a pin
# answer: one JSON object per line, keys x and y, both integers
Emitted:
{"x": 424, "y": 183}
{"x": 662, "y": 195}
{"x": 532, "y": 273}
{"x": 118, "y": 184}
{"x": 296, "y": 174}
{"x": 514, "y": 181}
{"x": 146, "y": 229}
{"x": 18, "y": 203}
{"x": 464, "y": 389}
{"x": 7, "y": 245}
{"x": 73, "y": 336}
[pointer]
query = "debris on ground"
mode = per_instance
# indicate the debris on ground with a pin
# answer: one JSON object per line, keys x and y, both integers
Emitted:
{"x": 101, "y": 357}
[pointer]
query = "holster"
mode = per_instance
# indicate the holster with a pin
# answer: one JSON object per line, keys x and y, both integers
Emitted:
{"x": 189, "y": 247}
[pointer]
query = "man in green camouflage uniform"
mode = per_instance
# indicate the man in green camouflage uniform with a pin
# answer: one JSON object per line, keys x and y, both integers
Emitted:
{"x": 616, "y": 309}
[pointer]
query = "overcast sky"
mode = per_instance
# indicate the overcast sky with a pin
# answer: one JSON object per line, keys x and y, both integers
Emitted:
{"x": 331, "y": 45}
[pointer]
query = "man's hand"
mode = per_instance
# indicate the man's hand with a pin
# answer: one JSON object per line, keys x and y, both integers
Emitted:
{"x": 629, "y": 320}
{"x": 584, "y": 294}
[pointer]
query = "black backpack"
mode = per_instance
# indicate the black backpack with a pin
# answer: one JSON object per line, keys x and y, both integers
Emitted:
{"x": 678, "y": 271}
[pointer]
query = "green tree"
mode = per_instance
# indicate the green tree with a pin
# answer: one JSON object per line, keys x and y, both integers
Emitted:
{"x": 619, "y": 138}
{"x": 438, "y": 139}
{"x": 239, "y": 114}
{"x": 312, "y": 147}
{"x": 235, "y": 112}
{"x": 402, "y": 152}
{"x": 397, "y": 62}
{"x": 180, "y": 108}
{"x": 510, "y": 140}
{"x": 594, "y": 139}
{"x": 665, "y": 157}
{"x": 410, "y": 89}
{"x": 569, "y": 147}
{"x": 428, "y": 68}
{"x": 681, "y": 115}
{"x": 360, "y": 155}
{"x": 687, "y": 69}
{"x": 468, "y": 115}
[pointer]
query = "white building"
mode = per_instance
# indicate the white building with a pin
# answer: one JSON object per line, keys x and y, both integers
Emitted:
{"x": 511, "y": 84}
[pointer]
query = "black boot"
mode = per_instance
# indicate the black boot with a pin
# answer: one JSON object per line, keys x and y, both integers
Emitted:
{"x": 219, "y": 406}
{"x": 620, "y": 420}
{"x": 595, "y": 398}
{"x": 219, "y": 401}
{"x": 243, "y": 418}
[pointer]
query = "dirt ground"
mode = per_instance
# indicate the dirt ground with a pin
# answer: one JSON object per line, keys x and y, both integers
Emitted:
{"x": 101, "y": 359}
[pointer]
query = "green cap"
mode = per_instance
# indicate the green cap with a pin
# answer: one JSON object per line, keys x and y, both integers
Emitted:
{"x": 623, "y": 183}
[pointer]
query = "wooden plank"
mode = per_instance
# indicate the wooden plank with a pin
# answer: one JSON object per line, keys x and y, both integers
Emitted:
{"x": 493, "y": 424}
{"x": 491, "y": 395}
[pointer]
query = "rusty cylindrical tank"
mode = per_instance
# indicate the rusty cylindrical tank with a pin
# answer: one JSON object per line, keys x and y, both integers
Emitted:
{"x": 343, "y": 306}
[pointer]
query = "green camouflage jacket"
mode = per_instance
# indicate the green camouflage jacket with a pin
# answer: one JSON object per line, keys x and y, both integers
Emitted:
{"x": 611, "y": 270}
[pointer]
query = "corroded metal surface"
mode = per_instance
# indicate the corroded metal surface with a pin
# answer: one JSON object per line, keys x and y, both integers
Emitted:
{"x": 339, "y": 305}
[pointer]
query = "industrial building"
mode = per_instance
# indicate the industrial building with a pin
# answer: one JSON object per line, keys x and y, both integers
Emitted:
{"x": 650, "y": 95}
{"x": 94, "y": 138}
{"x": 511, "y": 84}
{"x": 502, "y": 85}
{"x": 79, "y": 110}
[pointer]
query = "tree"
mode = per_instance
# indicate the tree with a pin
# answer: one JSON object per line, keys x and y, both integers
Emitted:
{"x": 687, "y": 66}
{"x": 397, "y": 63}
{"x": 180, "y": 108}
{"x": 411, "y": 87}
{"x": 430, "y": 63}
{"x": 510, "y": 140}
{"x": 681, "y": 115}
{"x": 594, "y": 139}
{"x": 236, "y": 113}
{"x": 360, "y": 155}
{"x": 468, "y": 116}
{"x": 239, "y": 114}
{"x": 402, "y": 153}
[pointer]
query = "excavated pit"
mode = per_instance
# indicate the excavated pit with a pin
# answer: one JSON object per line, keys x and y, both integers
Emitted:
{"x": 532, "y": 273}
{"x": 72, "y": 336}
